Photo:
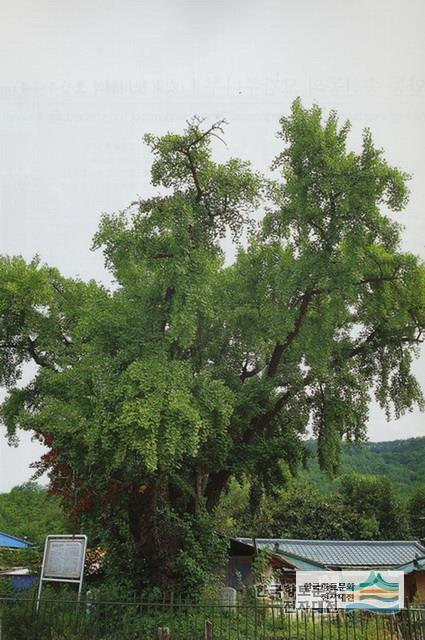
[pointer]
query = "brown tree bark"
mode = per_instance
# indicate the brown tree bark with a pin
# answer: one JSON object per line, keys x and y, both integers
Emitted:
{"x": 156, "y": 539}
{"x": 216, "y": 484}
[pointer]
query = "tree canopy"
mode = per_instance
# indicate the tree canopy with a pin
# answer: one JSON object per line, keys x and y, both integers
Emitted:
{"x": 360, "y": 507}
{"x": 151, "y": 396}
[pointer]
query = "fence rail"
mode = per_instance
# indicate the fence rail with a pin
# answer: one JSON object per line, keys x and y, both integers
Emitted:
{"x": 91, "y": 619}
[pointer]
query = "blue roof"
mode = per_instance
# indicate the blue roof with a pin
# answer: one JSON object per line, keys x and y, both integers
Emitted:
{"x": 345, "y": 553}
{"x": 12, "y": 542}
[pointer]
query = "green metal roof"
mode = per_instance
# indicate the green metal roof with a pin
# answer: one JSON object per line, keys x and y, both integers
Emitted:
{"x": 302, "y": 563}
{"x": 344, "y": 553}
{"x": 410, "y": 567}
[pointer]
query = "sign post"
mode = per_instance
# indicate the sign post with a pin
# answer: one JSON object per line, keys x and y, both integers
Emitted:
{"x": 63, "y": 561}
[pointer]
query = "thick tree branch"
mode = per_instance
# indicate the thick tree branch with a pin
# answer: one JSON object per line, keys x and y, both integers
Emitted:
{"x": 247, "y": 373}
{"x": 281, "y": 347}
{"x": 260, "y": 423}
{"x": 278, "y": 405}
{"x": 38, "y": 358}
{"x": 366, "y": 343}
{"x": 318, "y": 228}
{"x": 159, "y": 256}
{"x": 186, "y": 150}
{"x": 217, "y": 482}
{"x": 193, "y": 171}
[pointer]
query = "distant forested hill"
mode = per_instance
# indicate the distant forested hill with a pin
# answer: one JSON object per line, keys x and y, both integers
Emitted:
{"x": 403, "y": 461}
{"x": 27, "y": 511}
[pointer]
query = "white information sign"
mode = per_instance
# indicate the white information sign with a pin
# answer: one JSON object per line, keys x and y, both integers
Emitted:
{"x": 372, "y": 590}
{"x": 63, "y": 560}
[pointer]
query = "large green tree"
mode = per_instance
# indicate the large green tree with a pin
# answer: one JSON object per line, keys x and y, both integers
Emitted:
{"x": 373, "y": 508}
{"x": 152, "y": 395}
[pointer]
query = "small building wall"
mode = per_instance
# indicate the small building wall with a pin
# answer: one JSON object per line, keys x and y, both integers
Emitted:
{"x": 240, "y": 566}
{"x": 414, "y": 586}
{"x": 420, "y": 585}
{"x": 239, "y": 571}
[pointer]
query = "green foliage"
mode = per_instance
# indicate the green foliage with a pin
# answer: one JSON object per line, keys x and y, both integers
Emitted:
{"x": 29, "y": 558}
{"x": 400, "y": 460}
{"x": 201, "y": 549}
{"x": 27, "y": 511}
{"x": 260, "y": 565}
{"x": 152, "y": 396}
{"x": 22, "y": 625}
{"x": 297, "y": 511}
{"x": 253, "y": 619}
{"x": 361, "y": 507}
{"x": 417, "y": 512}
{"x": 374, "y": 510}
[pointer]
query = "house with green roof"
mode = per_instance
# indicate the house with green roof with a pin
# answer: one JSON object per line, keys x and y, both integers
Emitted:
{"x": 291, "y": 556}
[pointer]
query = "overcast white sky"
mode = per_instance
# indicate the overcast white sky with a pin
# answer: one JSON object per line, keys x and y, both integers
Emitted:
{"x": 82, "y": 81}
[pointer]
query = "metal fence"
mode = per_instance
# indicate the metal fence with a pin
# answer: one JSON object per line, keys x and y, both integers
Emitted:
{"x": 177, "y": 620}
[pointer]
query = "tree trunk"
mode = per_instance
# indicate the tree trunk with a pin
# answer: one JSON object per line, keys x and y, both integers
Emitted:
{"x": 156, "y": 539}
{"x": 156, "y": 535}
{"x": 216, "y": 484}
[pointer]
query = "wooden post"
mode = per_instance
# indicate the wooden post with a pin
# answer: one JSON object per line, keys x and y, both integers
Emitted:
{"x": 164, "y": 633}
{"x": 208, "y": 630}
